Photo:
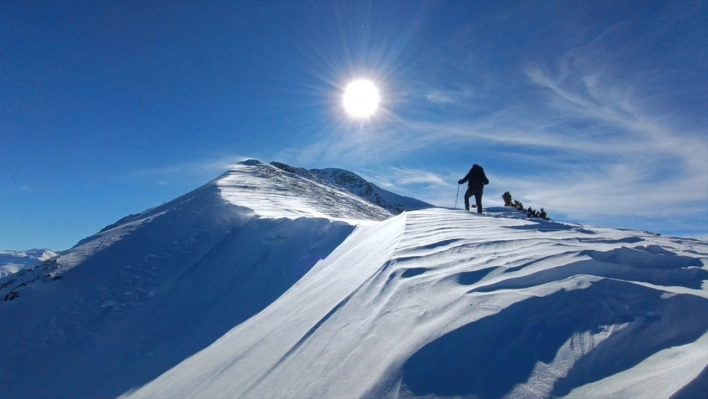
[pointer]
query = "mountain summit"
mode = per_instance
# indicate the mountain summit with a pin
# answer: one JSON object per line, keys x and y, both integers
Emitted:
{"x": 356, "y": 185}
{"x": 279, "y": 282}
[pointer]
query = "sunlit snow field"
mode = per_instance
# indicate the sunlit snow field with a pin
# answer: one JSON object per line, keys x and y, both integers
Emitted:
{"x": 266, "y": 284}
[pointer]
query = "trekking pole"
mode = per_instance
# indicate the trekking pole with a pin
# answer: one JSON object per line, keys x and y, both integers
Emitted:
{"x": 457, "y": 195}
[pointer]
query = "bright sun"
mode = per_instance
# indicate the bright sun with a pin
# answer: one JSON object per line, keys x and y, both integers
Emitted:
{"x": 361, "y": 98}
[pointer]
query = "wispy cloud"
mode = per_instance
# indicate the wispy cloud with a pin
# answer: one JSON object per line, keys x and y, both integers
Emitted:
{"x": 439, "y": 97}
{"x": 662, "y": 167}
{"x": 461, "y": 95}
{"x": 601, "y": 137}
{"x": 402, "y": 177}
{"x": 414, "y": 176}
{"x": 435, "y": 188}
{"x": 613, "y": 193}
{"x": 616, "y": 108}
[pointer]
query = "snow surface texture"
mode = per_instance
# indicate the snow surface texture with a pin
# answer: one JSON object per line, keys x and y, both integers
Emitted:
{"x": 226, "y": 292}
{"x": 13, "y": 261}
{"x": 282, "y": 194}
{"x": 353, "y": 183}
{"x": 442, "y": 303}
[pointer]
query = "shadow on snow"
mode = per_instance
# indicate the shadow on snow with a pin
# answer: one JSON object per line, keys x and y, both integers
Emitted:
{"x": 489, "y": 357}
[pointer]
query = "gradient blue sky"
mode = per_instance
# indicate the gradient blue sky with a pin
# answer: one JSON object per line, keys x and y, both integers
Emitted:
{"x": 597, "y": 111}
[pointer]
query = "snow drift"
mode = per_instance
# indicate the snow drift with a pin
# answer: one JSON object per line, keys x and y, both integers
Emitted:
{"x": 267, "y": 283}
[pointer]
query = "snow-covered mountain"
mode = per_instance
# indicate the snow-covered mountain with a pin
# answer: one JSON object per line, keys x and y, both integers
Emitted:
{"x": 125, "y": 305}
{"x": 268, "y": 284}
{"x": 14, "y": 261}
{"x": 356, "y": 185}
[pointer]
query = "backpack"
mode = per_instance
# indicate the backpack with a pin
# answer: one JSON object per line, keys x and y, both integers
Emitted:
{"x": 478, "y": 176}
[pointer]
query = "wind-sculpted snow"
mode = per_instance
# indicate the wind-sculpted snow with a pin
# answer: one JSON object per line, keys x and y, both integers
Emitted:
{"x": 443, "y": 303}
{"x": 275, "y": 193}
{"x": 355, "y": 184}
{"x": 268, "y": 284}
{"x": 369, "y": 191}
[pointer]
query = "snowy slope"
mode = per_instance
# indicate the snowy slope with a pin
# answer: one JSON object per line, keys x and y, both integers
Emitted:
{"x": 14, "y": 261}
{"x": 125, "y": 305}
{"x": 442, "y": 303}
{"x": 266, "y": 283}
{"x": 356, "y": 185}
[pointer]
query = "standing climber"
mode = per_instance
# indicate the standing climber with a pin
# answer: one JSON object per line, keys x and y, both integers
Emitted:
{"x": 476, "y": 181}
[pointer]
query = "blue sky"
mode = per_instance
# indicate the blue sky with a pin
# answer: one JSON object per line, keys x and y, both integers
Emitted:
{"x": 596, "y": 111}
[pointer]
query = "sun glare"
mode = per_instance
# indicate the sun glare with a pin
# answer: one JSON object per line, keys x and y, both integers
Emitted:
{"x": 361, "y": 98}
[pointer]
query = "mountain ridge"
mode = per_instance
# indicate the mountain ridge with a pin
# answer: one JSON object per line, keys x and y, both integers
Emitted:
{"x": 358, "y": 186}
{"x": 124, "y": 275}
{"x": 266, "y": 283}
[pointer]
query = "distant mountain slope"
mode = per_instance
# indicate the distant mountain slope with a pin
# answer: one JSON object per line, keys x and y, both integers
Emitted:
{"x": 13, "y": 261}
{"x": 355, "y": 184}
{"x": 443, "y": 303}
